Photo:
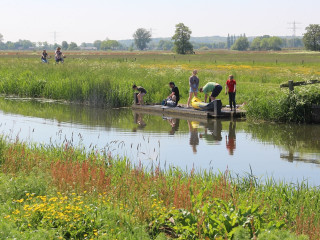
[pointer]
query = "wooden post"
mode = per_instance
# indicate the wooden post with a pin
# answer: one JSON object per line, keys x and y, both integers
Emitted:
{"x": 217, "y": 107}
{"x": 290, "y": 84}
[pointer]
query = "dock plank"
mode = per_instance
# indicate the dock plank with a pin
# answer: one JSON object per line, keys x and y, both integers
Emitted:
{"x": 187, "y": 112}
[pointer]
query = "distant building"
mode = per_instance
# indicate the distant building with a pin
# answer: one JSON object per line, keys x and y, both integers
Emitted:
{"x": 88, "y": 48}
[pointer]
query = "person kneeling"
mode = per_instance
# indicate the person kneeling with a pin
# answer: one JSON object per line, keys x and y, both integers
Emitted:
{"x": 174, "y": 97}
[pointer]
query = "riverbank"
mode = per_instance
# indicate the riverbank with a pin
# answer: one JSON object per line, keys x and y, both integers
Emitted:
{"x": 62, "y": 192}
{"x": 106, "y": 80}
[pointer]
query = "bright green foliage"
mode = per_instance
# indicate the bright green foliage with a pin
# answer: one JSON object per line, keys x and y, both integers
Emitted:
{"x": 241, "y": 44}
{"x": 311, "y": 38}
{"x": 181, "y": 39}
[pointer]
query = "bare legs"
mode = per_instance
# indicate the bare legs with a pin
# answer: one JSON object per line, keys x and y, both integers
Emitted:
{"x": 190, "y": 97}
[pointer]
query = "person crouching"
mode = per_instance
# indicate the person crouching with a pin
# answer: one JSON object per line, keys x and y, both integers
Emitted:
{"x": 174, "y": 96}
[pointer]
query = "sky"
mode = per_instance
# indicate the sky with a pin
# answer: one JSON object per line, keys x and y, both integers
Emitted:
{"x": 87, "y": 21}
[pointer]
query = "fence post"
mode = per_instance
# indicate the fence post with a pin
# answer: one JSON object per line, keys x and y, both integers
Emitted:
{"x": 290, "y": 84}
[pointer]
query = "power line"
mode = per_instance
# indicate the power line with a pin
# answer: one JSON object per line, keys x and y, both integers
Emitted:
{"x": 294, "y": 27}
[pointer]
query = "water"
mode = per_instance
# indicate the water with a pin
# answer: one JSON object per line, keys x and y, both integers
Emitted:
{"x": 285, "y": 152}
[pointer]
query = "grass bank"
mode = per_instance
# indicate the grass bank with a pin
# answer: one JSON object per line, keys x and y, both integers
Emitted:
{"x": 106, "y": 79}
{"x": 63, "y": 193}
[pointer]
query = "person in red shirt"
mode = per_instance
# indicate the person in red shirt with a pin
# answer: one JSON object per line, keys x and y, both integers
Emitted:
{"x": 231, "y": 88}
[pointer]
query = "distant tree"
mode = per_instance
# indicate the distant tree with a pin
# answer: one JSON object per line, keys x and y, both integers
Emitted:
{"x": 110, "y": 45}
{"x": 165, "y": 45}
{"x": 141, "y": 38}
{"x": 228, "y": 41}
{"x": 275, "y": 43}
{"x": 97, "y": 44}
{"x": 45, "y": 45}
{"x": 256, "y": 44}
{"x": 181, "y": 39}
{"x": 1, "y": 37}
{"x": 311, "y": 38}
{"x": 83, "y": 44}
{"x": 73, "y": 46}
{"x": 241, "y": 44}
{"x": 64, "y": 45}
{"x": 265, "y": 45}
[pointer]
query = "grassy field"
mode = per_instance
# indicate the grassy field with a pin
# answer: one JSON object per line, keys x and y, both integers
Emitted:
{"x": 62, "y": 193}
{"x": 105, "y": 78}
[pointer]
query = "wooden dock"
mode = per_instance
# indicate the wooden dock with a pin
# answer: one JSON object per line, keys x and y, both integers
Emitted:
{"x": 182, "y": 112}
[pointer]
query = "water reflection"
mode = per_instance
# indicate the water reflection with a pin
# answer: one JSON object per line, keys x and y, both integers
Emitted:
{"x": 174, "y": 123}
{"x": 194, "y": 137}
{"x": 138, "y": 119}
{"x": 231, "y": 138}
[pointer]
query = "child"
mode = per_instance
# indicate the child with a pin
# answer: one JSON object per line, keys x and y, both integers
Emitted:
{"x": 44, "y": 56}
{"x": 231, "y": 86}
{"x": 141, "y": 91}
{"x": 194, "y": 84}
{"x": 59, "y": 55}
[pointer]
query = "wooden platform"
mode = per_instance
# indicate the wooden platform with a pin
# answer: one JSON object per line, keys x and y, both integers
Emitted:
{"x": 180, "y": 112}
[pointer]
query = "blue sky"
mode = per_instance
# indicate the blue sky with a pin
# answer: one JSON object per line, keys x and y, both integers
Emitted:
{"x": 86, "y": 21}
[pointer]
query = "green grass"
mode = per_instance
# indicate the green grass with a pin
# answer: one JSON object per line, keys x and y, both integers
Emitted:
{"x": 99, "y": 79}
{"x": 63, "y": 193}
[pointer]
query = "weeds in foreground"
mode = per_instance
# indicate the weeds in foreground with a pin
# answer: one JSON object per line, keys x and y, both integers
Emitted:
{"x": 125, "y": 198}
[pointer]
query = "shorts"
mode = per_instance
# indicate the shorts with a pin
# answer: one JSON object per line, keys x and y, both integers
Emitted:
{"x": 216, "y": 91}
{"x": 142, "y": 94}
{"x": 191, "y": 90}
{"x": 59, "y": 60}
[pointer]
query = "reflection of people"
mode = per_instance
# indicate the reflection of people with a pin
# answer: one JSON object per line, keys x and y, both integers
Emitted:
{"x": 138, "y": 119}
{"x": 194, "y": 84}
{"x": 231, "y": 138}
{"x": 174, "y": 96}
{"x": 214, "y": 88}
{"x": 44, "y": 56}
{"x": 231, "y": 87}
{"x": 141, "y": 91}
{"x": 194, "y": 138}
{"x": 174, "y": 122}
{"x": 214, "y": 135}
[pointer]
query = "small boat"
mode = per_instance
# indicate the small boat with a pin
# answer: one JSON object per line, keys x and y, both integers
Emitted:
{"x": 196, "y": 103}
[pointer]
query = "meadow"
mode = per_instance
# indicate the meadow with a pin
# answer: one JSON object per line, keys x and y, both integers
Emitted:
{"x": 105, "y": 79}
{"x": 63, "y": 193}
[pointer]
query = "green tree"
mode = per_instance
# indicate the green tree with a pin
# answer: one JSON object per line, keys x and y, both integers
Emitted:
{"x": 97, "y": 44}
{"x": 241, "y": 44}
{"x": 228, "y": 41}
{"x": 256, "y": 44}
{"x": 1, "y": 37}
{"x": 181, "y": 39}
{"x": 64, "y": 45}
{"x": 83, "y": 44}
{"x": 275, "y": 43}
{"x": 73, "y": 46}
{"x": 311, "y": 38}
{"x": 165, "y": 45}
{"x": 141, "y": 38}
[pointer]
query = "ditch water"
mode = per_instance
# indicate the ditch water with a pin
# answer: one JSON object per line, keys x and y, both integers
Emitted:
{"x": 284, "y": 152}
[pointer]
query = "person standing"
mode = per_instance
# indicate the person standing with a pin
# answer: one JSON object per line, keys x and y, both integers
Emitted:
{"x": 231, "y": 88}
{"x": 59, "y": 55}
{"x": 44, "y": 56}
{"x": 194, "y": 84}
{"x": 214, "y": 88}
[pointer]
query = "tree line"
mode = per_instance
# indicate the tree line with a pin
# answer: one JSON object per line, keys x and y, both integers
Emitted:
{"x": 180, "y": 42}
